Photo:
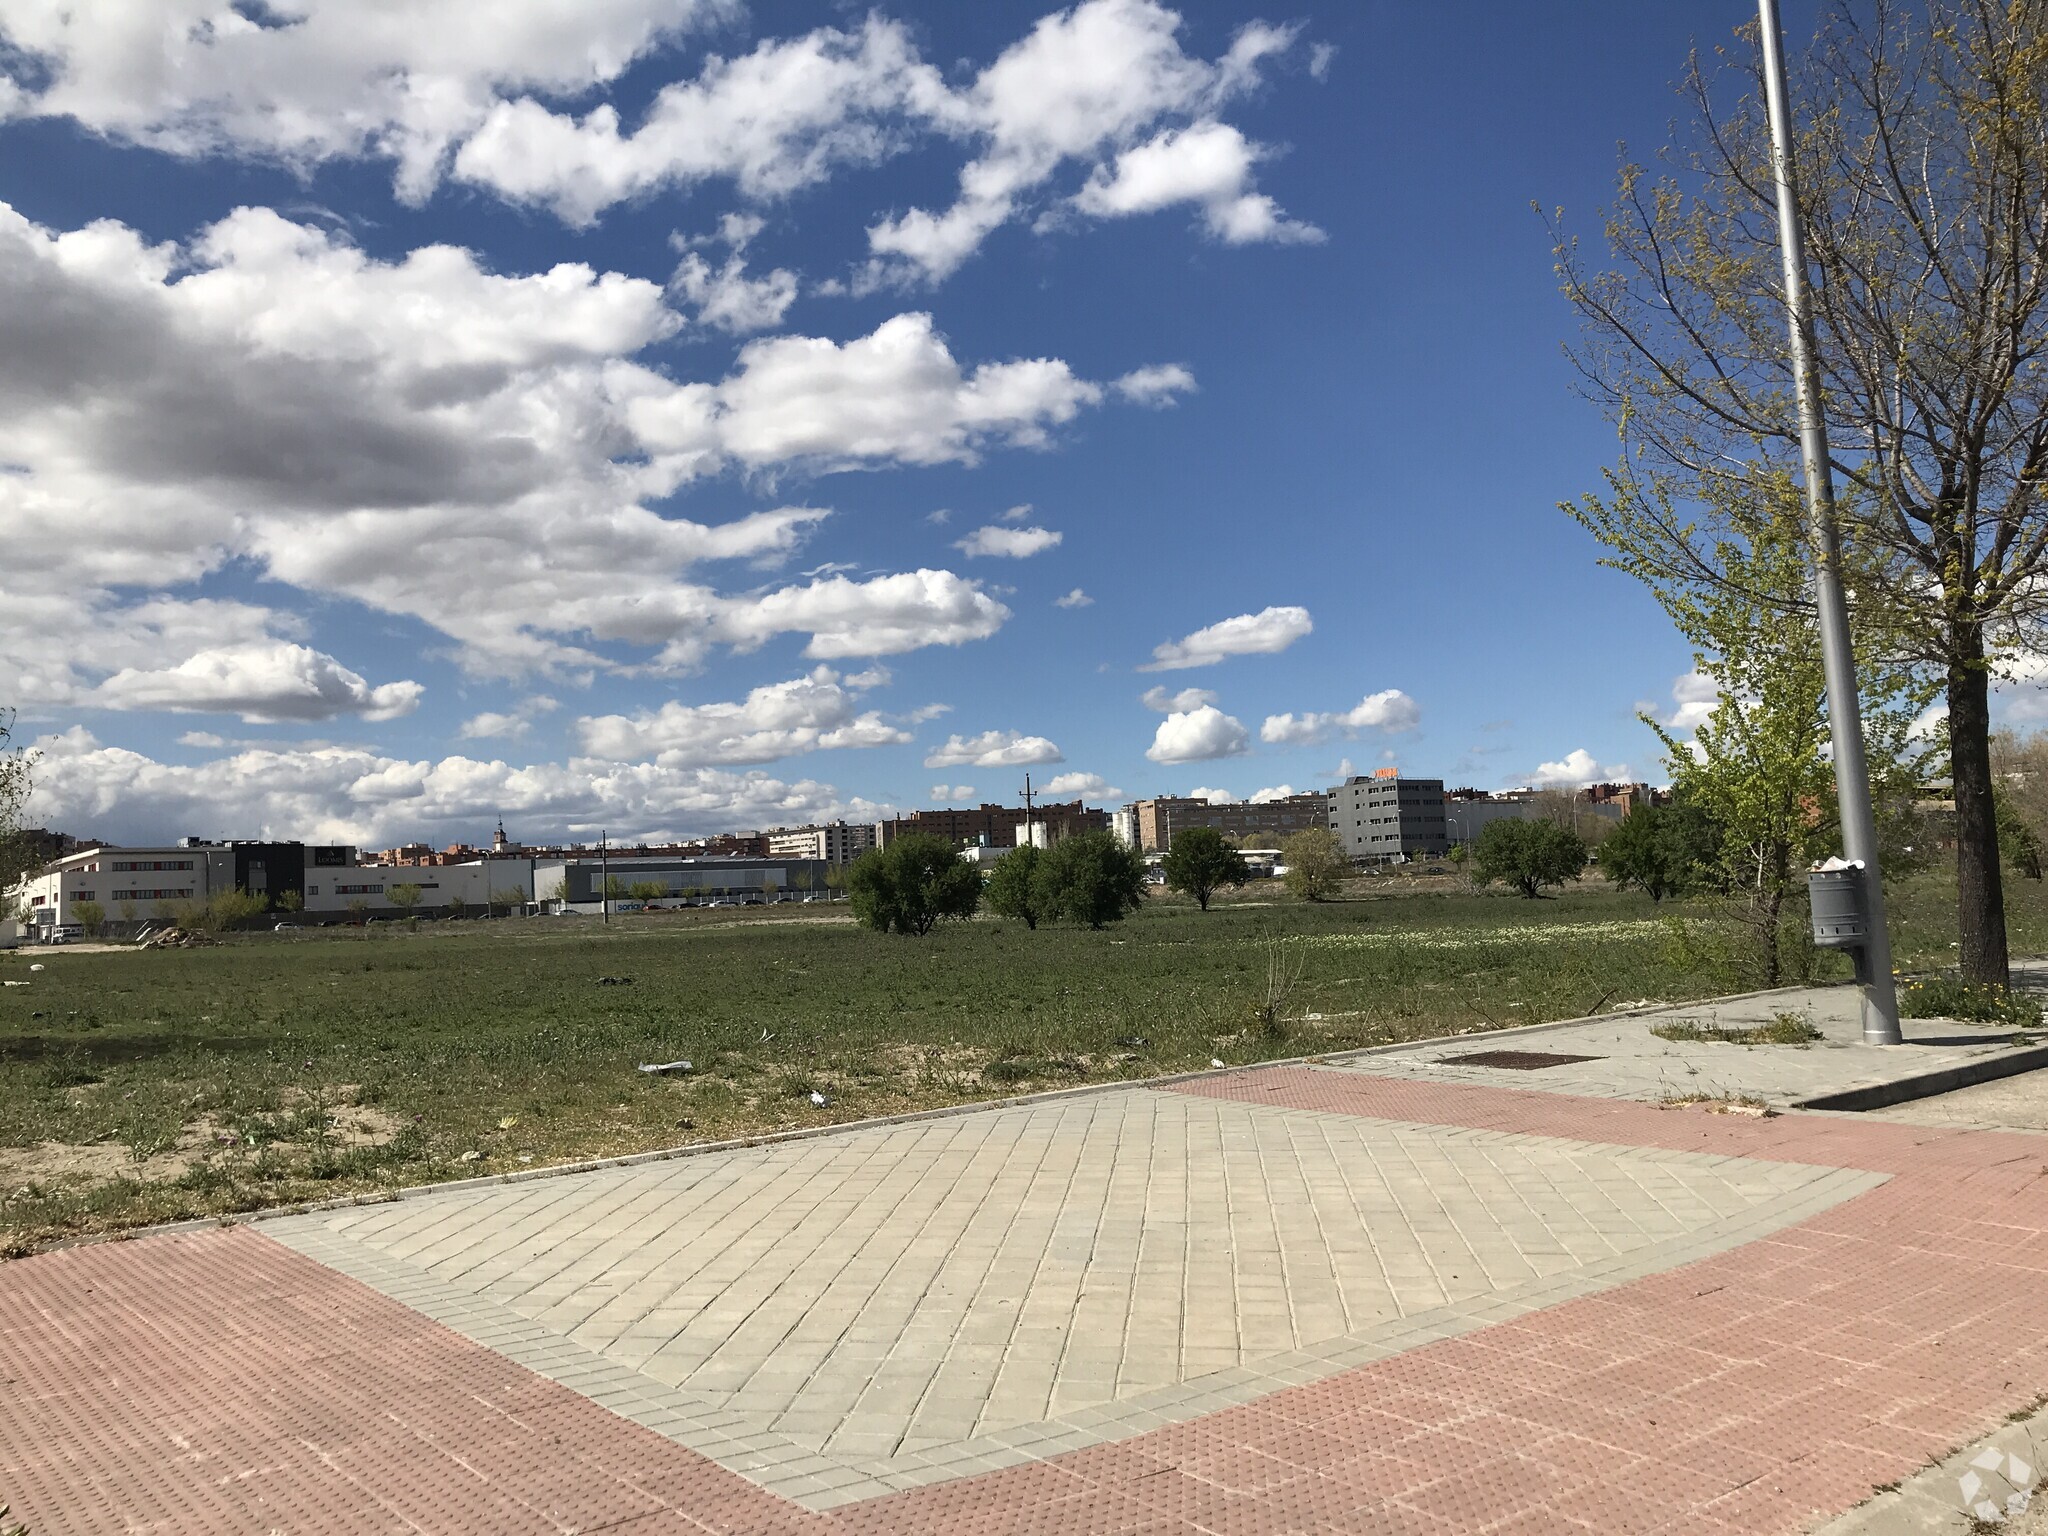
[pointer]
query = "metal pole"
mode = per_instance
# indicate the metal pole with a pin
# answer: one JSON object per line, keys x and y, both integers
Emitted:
{"x": 604, "y": 877}
{"x": 1838, "y": 657}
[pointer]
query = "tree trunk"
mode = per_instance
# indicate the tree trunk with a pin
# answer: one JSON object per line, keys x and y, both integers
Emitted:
{"x": 1980, "y": 889}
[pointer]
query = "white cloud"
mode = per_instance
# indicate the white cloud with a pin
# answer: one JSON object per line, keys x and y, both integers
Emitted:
{"x": 1209, "y": 164}
{"x": 1085, "y": 786}
{"x": 896, "y": 395}
{"x": 400, "y": 82}
{"x": 259, "y": 682}
{"x": 430, "y": 439}
{"x": 1576, "y": 768}
{"x": 945, "y": 793}
{"x": 994, "y": 749}
{"x": 1274, "y": 792}
{"x": 1160, "y": 385}
{"x": 1182, "y": 702}
{"x": 336, "y": 794}
{"x": 773, "y": 121}
{"x": 1016, "y": 514}
{"x": 1213, "y": 796}
{"x": 1695, "y": 695}
{"x": 1389, "y": 710}
{"x": 806, "y": 714}
{"x": 730, "y": 300}
{"x": 1249, "y": 634}
{"x": 1197, "y": 736}
{"x": 1319, "y": 56}
{"x": 1074, "y": 599}
{"x": 1085, "y": 82}
{"x": 492, "y": 725}
{"x": 1008, "y": 543}
{"x": 444, "y": 88}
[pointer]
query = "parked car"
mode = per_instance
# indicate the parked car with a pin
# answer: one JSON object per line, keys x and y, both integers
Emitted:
{"x": 63, "y": 933}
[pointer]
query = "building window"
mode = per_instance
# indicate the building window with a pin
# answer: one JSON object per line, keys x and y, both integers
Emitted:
{"x": 84, "y": 896}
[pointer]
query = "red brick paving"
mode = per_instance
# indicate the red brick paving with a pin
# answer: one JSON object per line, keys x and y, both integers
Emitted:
{"x": 218, "y": 1383}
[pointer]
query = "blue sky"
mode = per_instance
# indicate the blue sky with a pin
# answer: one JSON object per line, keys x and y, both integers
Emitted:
{"x": 325, "y": 528}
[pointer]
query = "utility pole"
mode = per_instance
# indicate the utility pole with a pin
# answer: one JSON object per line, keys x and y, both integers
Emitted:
{"x": 1027, "y": 812}
{"x": 1838, "y": 656}
{"x": 604, "y": 877}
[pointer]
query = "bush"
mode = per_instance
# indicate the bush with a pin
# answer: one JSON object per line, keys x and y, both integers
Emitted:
{"x": 1200, "y": 862}
{"x": 1014, "y": 889}
{"x": 1661, "y": 850}
{"x": 1092, "y": 879}
{"x": 1316, "y": 864}
{"x": 1944, "y": 997}
{"x": 89, "y": 915}
{"x": 912, "y": 885}
{"x": 1528, "y": 854}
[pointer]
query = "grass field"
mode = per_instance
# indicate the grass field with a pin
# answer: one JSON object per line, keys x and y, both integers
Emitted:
{"x": 138, "y": 1087}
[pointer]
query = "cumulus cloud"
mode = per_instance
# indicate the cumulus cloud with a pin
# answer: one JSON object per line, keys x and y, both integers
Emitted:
{"x": 1074, "y": 599}
{"x": 948, "y": 792}
{"x": 994, "y": 749}
{"x": 1197, "y": 736}
{"x": 1249, "y": 634}
{"x": 1274, "y": 792}
{"x": 493, "y": 725}
{"x": 1182, "y": 702}
{"x": 445, "y": 89}
{"x": 1008, "y": 543}
{"x": 1209, "y": 165}
{"x": 259, "y": 682}
{"x": 403, "y": 83}
{"x": 1694, "y": 696}
{"x": 1086, "y": 786}
{"x": 1576, "y": 768}
{"x": 338, "y": 794}
{"x": 1086, "y": 83}
{"x": 1388, "y": 710}
{"x": 807, "y": 714}
{"x": 730, "y": 300}
{"x": 1213, "y": 796}
{"x": 473, "y": 450}
{"x": 1159, "y": 385}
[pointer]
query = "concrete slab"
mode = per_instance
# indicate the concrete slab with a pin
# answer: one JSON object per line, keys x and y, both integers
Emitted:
{"x": 1628, "y": 1060}
{"x": 840, "y": 1318}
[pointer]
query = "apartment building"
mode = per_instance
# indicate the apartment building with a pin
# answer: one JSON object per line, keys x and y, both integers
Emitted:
{"x": 994, "y": 825}
{"x": 1383, "y": 818}
{"x": 839, "y": 842}
{"x": 1269, "y": 821}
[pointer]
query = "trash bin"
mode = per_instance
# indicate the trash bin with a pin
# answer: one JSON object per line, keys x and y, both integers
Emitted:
{"x": 1840, "y": 918}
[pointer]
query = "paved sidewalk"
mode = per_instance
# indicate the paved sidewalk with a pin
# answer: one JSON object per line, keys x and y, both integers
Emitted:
{"x": 1312, "y": 1299}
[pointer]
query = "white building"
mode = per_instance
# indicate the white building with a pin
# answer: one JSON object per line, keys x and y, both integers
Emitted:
{"x": 144, "y": 882}
{"x": 837, "y": 843}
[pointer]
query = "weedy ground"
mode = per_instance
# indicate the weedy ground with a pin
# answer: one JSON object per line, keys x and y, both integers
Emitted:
{"x": 280, "y": 1068}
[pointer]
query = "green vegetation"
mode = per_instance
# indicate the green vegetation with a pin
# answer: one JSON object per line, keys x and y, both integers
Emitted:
{"x": 1528, "y": 855}
{"x": 1662, "y": 850}
{"x": 89, "y": 915}
{"x": 1943, "y": 997}
{"x": 1014, "y": 889}
{"x": 405, "y": 896}
{"x": 1093, "y": 879}
{"x": 912, "y": 885}
{"x": 1200, "y": 863}
{"x": 269, "y": 1069}
{"x": 1316, "y": 865}
{"x": 1783, "y": 1029}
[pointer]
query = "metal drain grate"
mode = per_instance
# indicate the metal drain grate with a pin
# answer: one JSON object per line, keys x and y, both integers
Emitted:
{"x": 1514, "y": 1061}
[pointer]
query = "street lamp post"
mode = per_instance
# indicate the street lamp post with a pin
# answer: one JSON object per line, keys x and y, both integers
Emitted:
{"x": 1838, "y": 657}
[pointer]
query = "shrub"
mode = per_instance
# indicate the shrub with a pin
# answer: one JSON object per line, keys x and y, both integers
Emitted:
{"x": 1316, "y": 865}
{"x": 912, "y": 885}
{"x": 1528, "y": 854}
{"x": 1200, "y": 862}
{"x": 1945, "y": 997}
{"x": 1013, "y": 886}
{"x": 1092, "y": 879}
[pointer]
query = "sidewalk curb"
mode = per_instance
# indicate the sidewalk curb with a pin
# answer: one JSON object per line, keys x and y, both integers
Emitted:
{"x": 1933, "y": 1502}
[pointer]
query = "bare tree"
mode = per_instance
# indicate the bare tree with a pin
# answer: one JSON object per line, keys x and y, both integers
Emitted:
{"x": 1922, "y": 156}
